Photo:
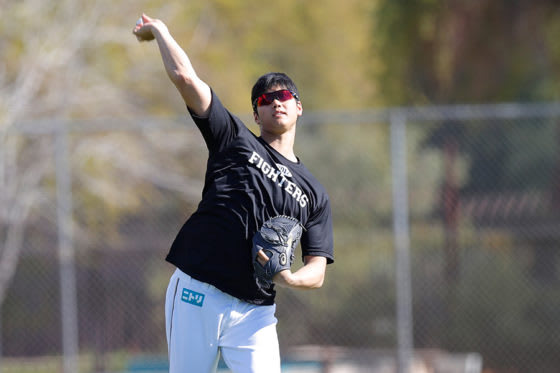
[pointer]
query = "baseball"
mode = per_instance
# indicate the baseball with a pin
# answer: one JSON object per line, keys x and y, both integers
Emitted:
{"x": 139, "y": 22}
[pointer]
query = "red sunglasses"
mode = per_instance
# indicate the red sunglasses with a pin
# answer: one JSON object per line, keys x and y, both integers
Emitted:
{"x": 268, "y": 98}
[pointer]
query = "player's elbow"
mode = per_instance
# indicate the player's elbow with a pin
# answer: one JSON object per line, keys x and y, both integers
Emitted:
{"x": 181, "y": 78}
{"x": 315, "y": 267}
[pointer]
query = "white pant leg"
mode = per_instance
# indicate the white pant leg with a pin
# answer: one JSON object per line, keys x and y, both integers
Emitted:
{"x": 201, "y": 319}
{"x": 192, "y": 328}
{"x": 249, "y": 344}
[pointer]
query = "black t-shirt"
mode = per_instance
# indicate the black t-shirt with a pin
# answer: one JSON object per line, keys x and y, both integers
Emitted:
{"x": 247, "y": 182}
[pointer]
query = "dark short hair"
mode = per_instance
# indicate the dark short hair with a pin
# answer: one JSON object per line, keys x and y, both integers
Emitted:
{"x": 267, "y": 81}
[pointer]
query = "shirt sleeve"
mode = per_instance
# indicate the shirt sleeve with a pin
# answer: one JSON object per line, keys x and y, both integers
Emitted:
{"x": 317, "y": 239}
{"x": 219, "y": 127}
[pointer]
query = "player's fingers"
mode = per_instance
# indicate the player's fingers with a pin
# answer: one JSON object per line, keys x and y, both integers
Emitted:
{"x": 145, "y": 18}
{"x": 262, "y": 257}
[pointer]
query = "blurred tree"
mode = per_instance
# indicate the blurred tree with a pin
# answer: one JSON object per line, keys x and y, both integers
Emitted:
{"x": 451, "y": 51}
{"x": 448, "y": 52}
{"x": 231, "y": 43}
{"x": 63, "y": 61}
{"x": 482, "y": 51}
{"x": 41, "y": 70}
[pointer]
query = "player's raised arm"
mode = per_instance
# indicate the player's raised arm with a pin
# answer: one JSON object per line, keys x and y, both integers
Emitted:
{"x": 195, "y": 92}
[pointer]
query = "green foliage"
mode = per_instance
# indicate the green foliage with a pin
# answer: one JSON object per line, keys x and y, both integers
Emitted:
{"x": 359, "y": 154}
{"x": 355, "y": 306}
{"x": 510, "y": 156}
{"x": 232, "y": 43}
{"x": 457, "y": 52}
{"x": 495, "y": 310}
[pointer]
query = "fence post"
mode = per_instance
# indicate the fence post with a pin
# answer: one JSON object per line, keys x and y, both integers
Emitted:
{"x": 1, "y": 351}
{"x": 402, "y": 241}
{"x": 68, "y": 301}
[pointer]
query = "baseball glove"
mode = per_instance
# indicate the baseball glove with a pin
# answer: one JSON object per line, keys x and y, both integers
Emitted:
{"x": 278, "y": 239}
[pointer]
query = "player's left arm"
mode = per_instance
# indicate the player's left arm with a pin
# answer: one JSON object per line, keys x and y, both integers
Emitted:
{"x": 310, "y": 276}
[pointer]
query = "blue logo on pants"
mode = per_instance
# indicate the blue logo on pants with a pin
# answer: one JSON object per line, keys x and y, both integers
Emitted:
{"x": 192, "y": 297}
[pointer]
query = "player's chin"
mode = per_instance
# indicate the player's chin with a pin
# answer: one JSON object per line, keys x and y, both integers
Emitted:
{"x": 284, "y": 121}
{"x": 273, "y": 125}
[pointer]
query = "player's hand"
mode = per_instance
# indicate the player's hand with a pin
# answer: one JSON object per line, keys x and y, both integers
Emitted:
{"x": 283, "y": 278}
{"x": 144, "y": 28}
{"x": 262, "y": 258}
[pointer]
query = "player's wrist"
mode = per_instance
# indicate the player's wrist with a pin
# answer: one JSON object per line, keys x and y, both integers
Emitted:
{"x": 285, "y": 278}
{"x": 159, "y": 27}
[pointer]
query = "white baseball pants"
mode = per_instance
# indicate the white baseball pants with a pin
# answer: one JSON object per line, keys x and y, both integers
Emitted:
{"x": 203, "y": 322}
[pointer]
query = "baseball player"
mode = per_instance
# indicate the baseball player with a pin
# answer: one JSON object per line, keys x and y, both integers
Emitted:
{"x": 258, "y": 203}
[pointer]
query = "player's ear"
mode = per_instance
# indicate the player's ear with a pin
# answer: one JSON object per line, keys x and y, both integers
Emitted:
{"x": 256, "y": 117}
{"x": 299, "y": 108}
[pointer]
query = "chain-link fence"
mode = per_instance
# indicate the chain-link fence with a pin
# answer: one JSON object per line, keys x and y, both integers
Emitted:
{"x": 463, "y": 261}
